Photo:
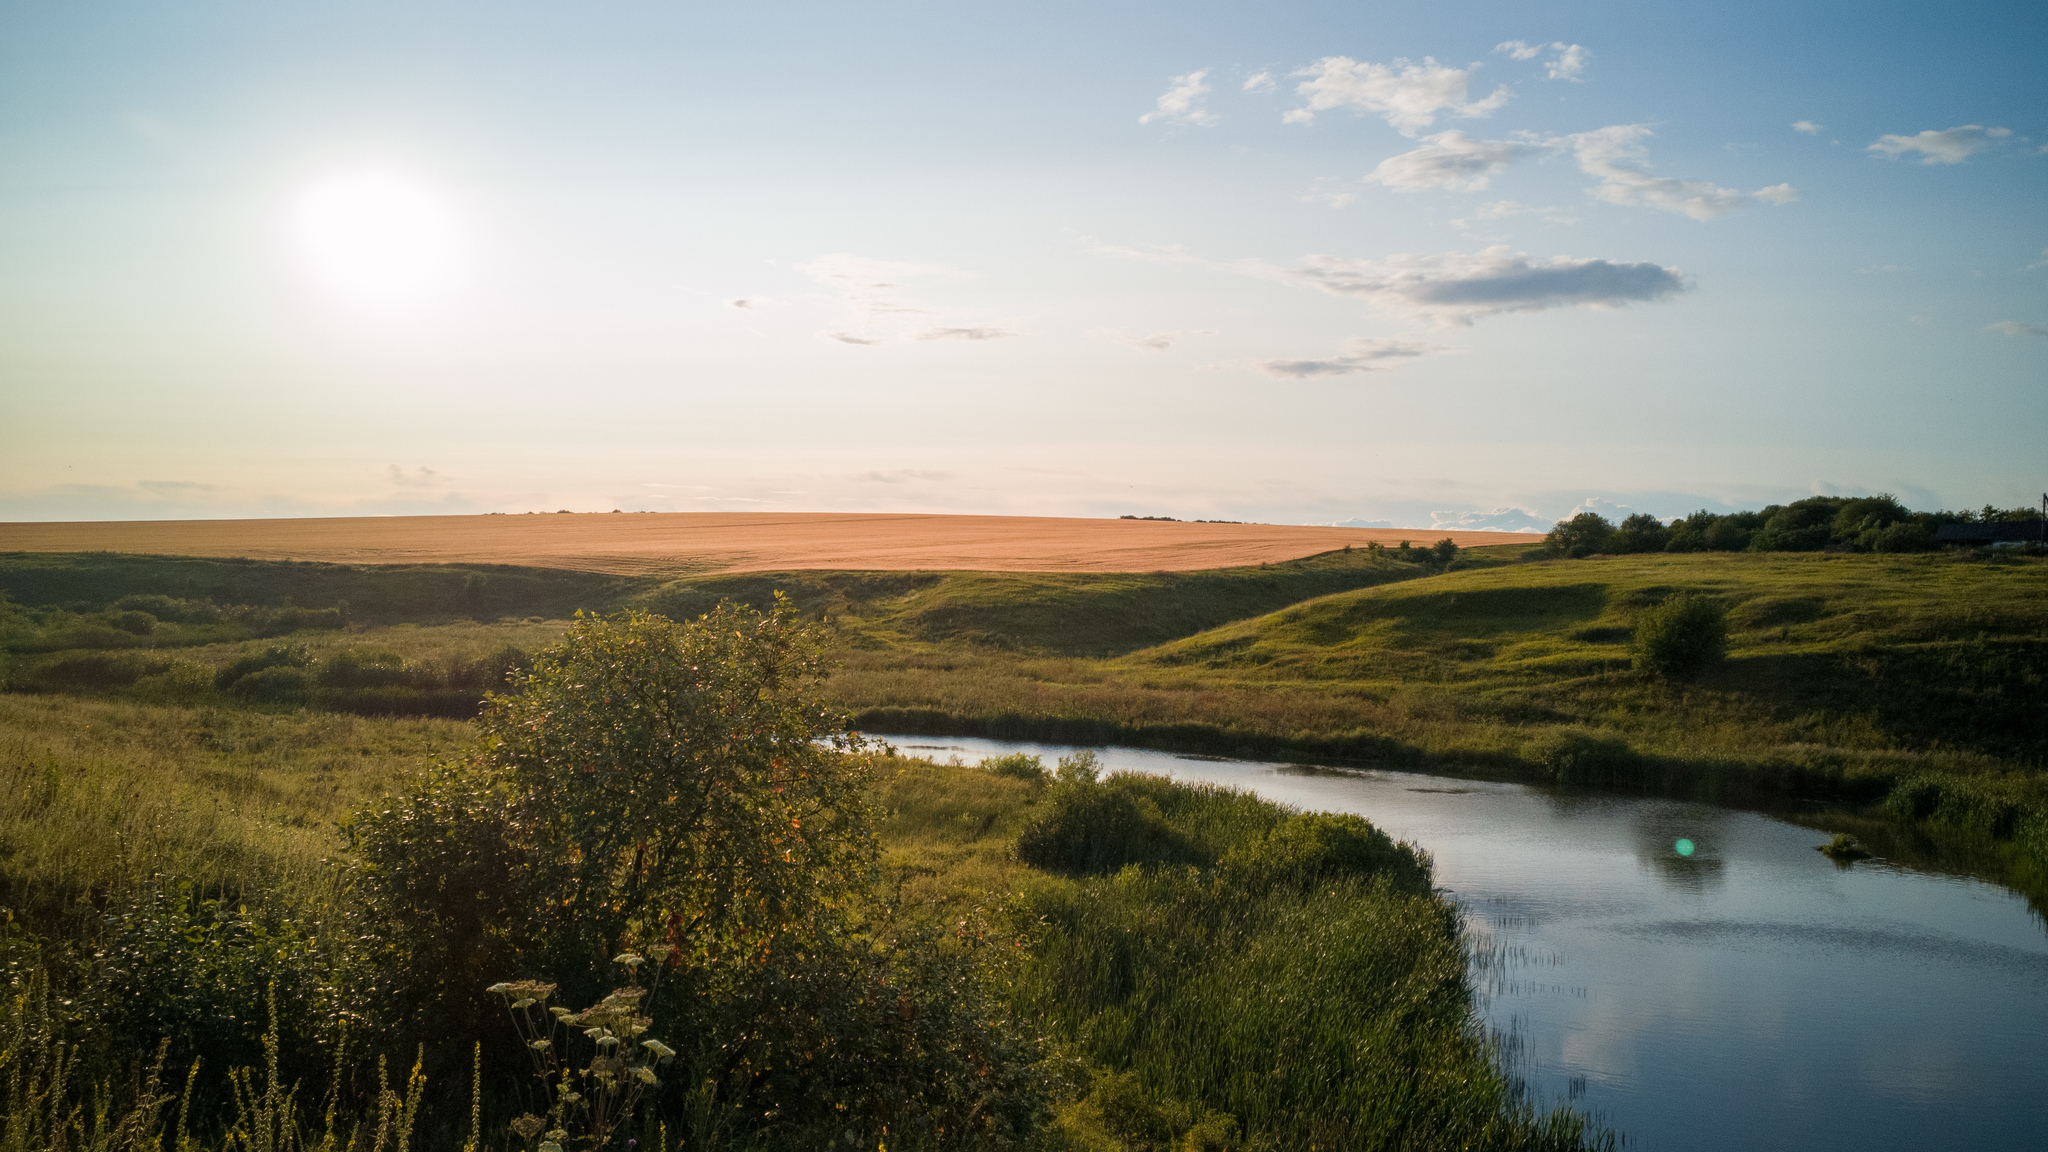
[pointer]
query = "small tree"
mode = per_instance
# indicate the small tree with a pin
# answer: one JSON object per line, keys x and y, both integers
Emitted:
{"x": 1680, "y": 638}
{"x": 1443, "y": 552}
{"x": 1583, "y": 535}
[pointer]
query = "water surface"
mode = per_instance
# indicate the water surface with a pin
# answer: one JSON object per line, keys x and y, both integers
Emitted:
{"x": 1749, "y": 995}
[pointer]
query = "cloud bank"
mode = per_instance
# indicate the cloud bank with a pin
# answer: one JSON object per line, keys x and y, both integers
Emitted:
{"x": 1948, "y": 146}
{"x": 1454, "y": 289}
{"x": 1406, "y": 95}
{"x": 1375, "y": 354}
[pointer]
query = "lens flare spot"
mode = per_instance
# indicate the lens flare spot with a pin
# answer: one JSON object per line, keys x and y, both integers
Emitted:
{"x": 1683, "y": 847}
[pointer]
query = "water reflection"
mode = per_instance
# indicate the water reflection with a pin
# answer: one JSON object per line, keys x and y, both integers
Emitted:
{"x": 1746, "y": 995}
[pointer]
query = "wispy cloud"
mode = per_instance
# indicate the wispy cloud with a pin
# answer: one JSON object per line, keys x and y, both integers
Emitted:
{"x": 2015, "y": 328}
{"x": 876, "y": 309}
{"x": 1568, "y": 64}
{"x": 1948, "y": 146}
{"x": 1614, "y": 155}
{"x": 1453, "y": 289}
{"x": 420, "y": 477}
{"x": 1503, "y": 209}
{"x": 1450, "y": 160}
{"x": 1154, "y": 341}
{"x": 1182, "y": 102}
{"x": 1371, "y": 354}
{"x": 1807, "y": 126}
{"x": 973, "y": 335}
{"x": 1260, "y": 81}
{"x": 1405, "y": 94}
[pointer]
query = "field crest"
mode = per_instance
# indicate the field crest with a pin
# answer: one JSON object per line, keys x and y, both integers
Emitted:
{"x": 684, "y": 543}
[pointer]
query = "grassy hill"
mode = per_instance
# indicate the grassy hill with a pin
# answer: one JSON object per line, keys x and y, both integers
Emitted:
{"x": 1854, "y": 680}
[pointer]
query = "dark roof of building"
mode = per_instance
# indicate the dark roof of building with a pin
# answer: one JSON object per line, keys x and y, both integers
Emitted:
{"x": 2011, "y": 531}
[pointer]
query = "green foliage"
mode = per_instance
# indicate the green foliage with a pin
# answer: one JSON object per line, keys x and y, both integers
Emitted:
{"x": 1100, "y": 826}
{"x": 1680, "y": 638}
{"x": 1586, "y": 534}
{"x": 1016, "y": 766}
{"x": 1309, "y": 991}
{"x": 1574, "y": 757}
{"x": 1308, "y": 849}
{"x": 1640, "y": 532}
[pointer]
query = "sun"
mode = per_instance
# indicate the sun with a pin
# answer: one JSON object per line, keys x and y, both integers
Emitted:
{"x": 378, "y": 240}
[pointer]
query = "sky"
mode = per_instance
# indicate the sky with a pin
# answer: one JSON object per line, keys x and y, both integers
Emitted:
{"x": 1417, "y": 265}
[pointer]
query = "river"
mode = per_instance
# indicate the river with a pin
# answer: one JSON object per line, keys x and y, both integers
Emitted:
{"x": 1699, "y": 977}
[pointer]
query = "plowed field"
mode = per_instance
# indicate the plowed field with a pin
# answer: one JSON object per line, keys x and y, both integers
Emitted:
{"x": 695, "y": 542}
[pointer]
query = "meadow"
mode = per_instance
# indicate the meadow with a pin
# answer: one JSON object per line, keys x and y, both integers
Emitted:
{"x": 186, "y": 741}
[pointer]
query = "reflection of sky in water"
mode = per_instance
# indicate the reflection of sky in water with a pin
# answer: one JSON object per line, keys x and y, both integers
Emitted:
{"x": 1749, "y": 995}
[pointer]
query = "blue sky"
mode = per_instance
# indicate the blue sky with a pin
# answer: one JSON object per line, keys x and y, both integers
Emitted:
{"x": 1418, "y": 264}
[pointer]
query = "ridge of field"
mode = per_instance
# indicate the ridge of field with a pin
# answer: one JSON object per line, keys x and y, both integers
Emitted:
{"x": 677, "y": 543}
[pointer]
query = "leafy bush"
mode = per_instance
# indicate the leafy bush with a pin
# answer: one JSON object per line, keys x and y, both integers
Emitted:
{"x": 132, "y": 622}
{"x": 90, "y": 672}
{"x": 1017, "y": 766}
{"x": 1097, "y": 827}
{"x": 275, "y": 656}
{"x": 1680, "y": 638}
{"x": 1316, "y": 846}
{"x": 1573, "y": 757}
{"x": 279, "y": 684}
{"x": 354, "y": 669}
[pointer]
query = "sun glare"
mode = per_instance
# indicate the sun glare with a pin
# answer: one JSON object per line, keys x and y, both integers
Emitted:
{"x": 378, "y": 241}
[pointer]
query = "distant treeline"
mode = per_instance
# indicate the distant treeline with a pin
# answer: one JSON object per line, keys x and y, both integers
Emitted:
{"x": 1815, "y": 524}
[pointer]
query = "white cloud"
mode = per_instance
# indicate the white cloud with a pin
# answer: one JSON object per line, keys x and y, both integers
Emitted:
{"x": 1948, "y": 146}
{"x": 1357, "y": 523}
{"x": 2037, "y": 263}
{"x": 1503, "y": 209}
{"x": 1260, "y": 81}
{"x": 1568, "y": 64}
{"x": 1407, "y": 95}
{"x": 1329, "y": 193}
{"x": 1450, "y": 160}
{"x": 1614, "y": 156}
{"x": 1181, "y": 103}
{"x": 1155, "y": 341}
{"x": 974, "y": 335}
{"x": 875, "y": 309}
{"x": 2015, "y": 328}
{"x": 1807, "y": 126}
{"x": 1375, "y": 354}
{"x": 1453, "y": 289}
{"x": 1498, "y": 520}
{"x": 421, "y": 477}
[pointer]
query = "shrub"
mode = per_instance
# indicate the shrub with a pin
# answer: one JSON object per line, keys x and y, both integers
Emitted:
{"x": 1017, "y": 766}
{"x": 275, "y": 656}
{"x": 353, "y": 669}
{"x": 1680, "y": 638}
{"x": 1306, "y": 849}
{"x": 279, "y": 684}
{"x": 1097, "y": 827}
{"x": 132, "y": 622}
{"x": 1572, "y": 757}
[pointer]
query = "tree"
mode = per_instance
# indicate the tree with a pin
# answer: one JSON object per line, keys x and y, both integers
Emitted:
{"x": 1443, "y": 552}
{"x": 1583, "y": 535}
{"x": 1641, "y": 532}
{"x": 1680, "y": 638}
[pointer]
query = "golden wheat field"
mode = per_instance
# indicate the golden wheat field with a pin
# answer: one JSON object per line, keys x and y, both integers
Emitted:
{"x": 696, "y": 542}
